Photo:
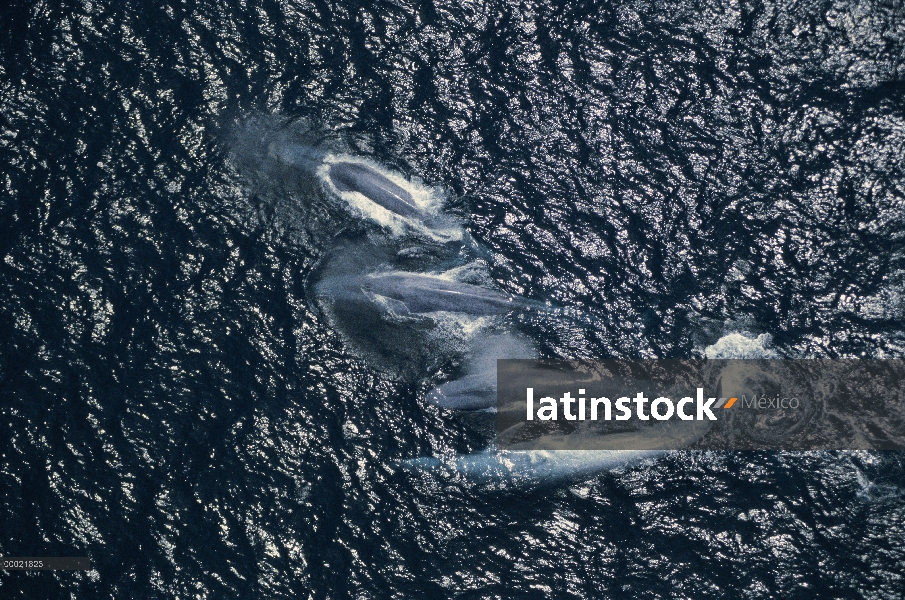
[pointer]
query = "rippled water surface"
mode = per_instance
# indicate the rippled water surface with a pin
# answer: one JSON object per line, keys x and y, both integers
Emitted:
{"x": 178, "y": 406}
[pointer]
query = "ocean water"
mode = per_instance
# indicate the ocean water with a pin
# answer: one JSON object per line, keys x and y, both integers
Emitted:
{"x": 681, "y": 179}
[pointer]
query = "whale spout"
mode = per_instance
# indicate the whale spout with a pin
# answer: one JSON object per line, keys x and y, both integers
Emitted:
{"x": 347, "y": 176}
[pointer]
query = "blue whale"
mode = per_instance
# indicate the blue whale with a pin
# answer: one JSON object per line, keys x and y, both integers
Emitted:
{"x": 351, "y": 176}
{"x": 347, "y": 176}
{"x": 557, "y": 459}
{"x": 533, "y": 466}
{"x": 419, "y": 293}
{"x": 477, "y": 389}
{"x": 472, "y": 392}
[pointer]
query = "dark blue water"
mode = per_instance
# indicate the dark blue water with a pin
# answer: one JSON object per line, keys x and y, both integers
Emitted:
{"x": 175, "y": 406}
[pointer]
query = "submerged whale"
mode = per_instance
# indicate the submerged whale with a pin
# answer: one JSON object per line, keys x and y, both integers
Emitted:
{"x": 472, "y": 392}
{"x": 478, "y": 389}
{"x": 556, "y": 459}
{"x": 533, "y": 466}
{"x": 297, "y": 155}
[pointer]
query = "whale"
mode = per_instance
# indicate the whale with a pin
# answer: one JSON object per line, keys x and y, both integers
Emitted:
{"x": 421, "y": 293}
{"x": 476, "y": 390}
{"x": 472, "y": 392}
{"x": 563, "y": 458}
{"x": 525, "y": 467}
{"x": 348, "y": 176}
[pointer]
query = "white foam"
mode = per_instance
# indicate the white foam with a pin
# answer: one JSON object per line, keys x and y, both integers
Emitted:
{"x": 474, "y": 273}
{"x": 466, "y": 326}
{"x": 741, "y": 345}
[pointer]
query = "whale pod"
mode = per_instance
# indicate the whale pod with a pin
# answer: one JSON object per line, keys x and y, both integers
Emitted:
{"x": 348, "y": 176}
{"x": 429, "y": 293}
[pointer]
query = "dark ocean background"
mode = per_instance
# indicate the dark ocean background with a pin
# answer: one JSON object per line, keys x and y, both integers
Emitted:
{"x": 174, "y": 405}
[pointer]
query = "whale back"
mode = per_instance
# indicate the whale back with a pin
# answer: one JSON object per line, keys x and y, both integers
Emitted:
{"x": 357, "y": 177}
{"x": 428, "y": 293}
